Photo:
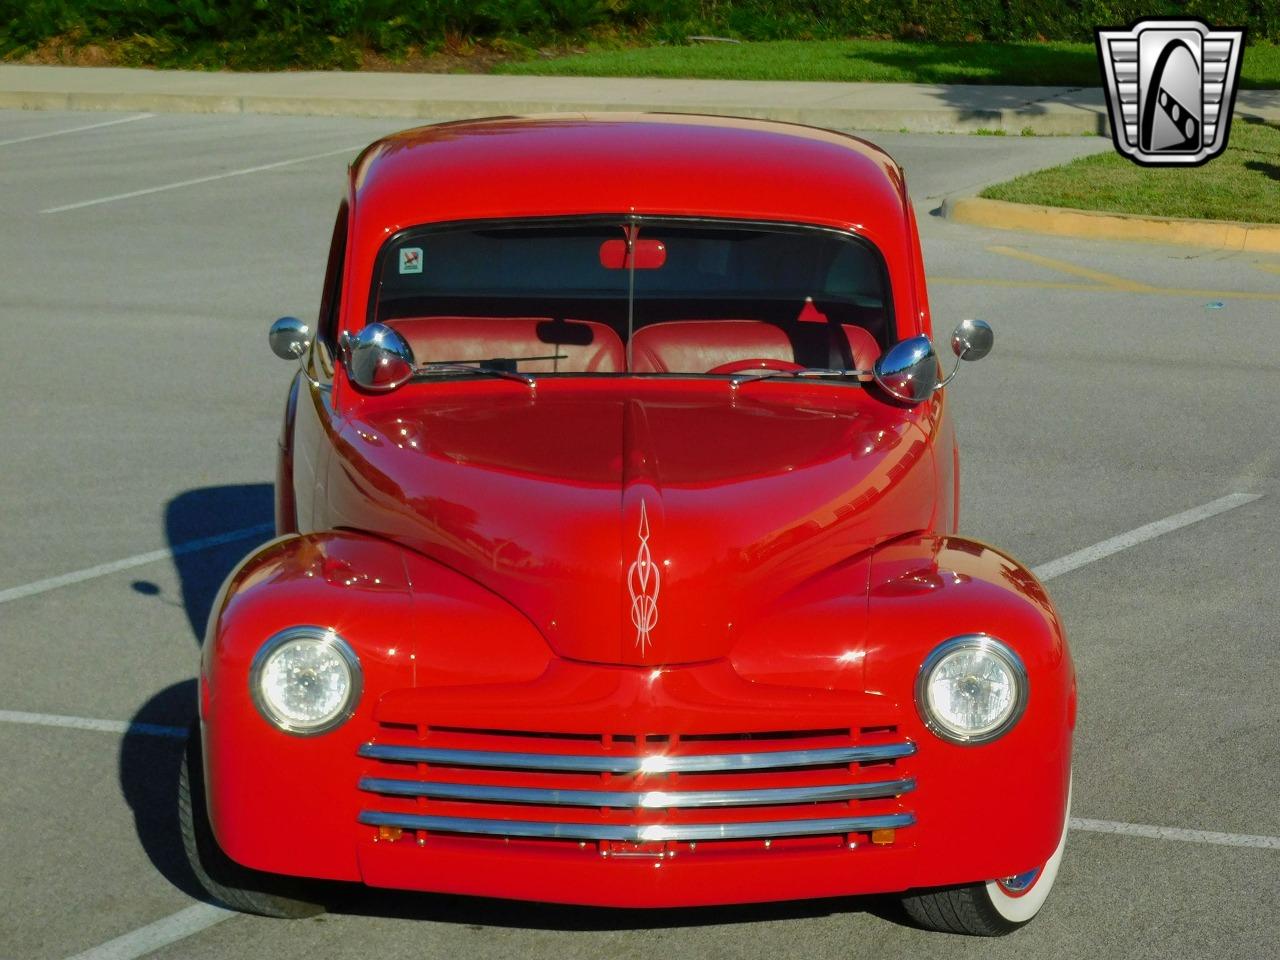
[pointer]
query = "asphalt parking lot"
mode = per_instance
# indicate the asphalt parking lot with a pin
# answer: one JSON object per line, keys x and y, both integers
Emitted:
{"x": 141, "y": 261}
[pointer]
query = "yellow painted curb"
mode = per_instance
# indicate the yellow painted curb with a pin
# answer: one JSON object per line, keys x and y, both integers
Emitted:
{"x": 1220, "y": 234}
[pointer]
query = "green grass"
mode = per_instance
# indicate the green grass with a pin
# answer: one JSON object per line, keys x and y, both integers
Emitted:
{"x": 1035, "y": 64}
{"x": 1242, "y": 184}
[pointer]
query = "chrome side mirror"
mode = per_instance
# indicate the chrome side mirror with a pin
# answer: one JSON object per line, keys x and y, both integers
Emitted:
{"x": 972, "y": 339}
{"x": 909, "y": 370}
{"x": 289, "y": 338}
{"x": 378, "y": 358}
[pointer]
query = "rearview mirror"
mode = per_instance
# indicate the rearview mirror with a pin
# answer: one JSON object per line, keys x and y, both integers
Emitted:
{"x": 909, "y": 370}
{"x": 378, "y": 358}
{"x": 289, "y": 338}
{"x": 647, "y": 254}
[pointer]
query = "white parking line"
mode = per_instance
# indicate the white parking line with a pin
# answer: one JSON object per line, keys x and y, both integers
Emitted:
{"x": 1175, "y": 833}
{"x": 91, "y": 126}
{"x": 153, "y": 936}
{"x": 89, "y": 723}
{"x": 1073, "y": 561}
{"x": 198, "y": 180}
{"x": 102, "y": 569}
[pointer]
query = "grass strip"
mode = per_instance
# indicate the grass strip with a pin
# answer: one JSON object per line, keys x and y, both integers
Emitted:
{"x": 1242, "y": 184}
{"x": 880, "y": 61}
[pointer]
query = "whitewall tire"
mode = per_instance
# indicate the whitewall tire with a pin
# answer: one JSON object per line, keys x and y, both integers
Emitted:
{"x": 994, "y": 908}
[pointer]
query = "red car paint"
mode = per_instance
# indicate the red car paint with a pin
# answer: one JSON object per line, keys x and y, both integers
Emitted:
{"x": 474, "y": 541}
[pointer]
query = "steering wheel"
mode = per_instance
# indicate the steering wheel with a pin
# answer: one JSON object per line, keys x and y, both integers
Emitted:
{"x": 756, "y": 363}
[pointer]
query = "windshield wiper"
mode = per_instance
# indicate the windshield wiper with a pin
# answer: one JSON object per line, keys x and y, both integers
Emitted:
{"x": 808, "y": 373}
{"x": 504, "y": 367}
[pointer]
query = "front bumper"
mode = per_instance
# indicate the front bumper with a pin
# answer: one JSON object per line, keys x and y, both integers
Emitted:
{"x": 616, "y": 786}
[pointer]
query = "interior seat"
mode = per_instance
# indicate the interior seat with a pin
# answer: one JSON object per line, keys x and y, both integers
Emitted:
{"x": 587, "y": 346}
{"x": 697, "y": 346}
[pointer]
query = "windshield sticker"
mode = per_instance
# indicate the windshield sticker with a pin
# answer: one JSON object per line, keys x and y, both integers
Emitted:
{"x": 410, "y": 259}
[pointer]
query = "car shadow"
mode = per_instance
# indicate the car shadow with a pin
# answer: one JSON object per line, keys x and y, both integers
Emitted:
{"x": 482, "y": 912}
{"x": 196, "y": 515}
{"x": 149, "y": 766}
{"x": 149, "y": 781}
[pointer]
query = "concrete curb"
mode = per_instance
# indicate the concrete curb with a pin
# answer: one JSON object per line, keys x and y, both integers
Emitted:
{"x": 908, "y": 119}
{"x": 1064, "y": 222}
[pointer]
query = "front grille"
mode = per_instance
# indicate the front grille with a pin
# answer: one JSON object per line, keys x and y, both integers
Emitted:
{"x": 630, "y": 789}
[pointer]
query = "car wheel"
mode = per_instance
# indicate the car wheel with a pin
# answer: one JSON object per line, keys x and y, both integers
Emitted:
{"x": 243, "y": 889}
{"x": 989, "y": 909}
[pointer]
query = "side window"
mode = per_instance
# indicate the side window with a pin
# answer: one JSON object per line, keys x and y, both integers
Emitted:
{"x": 331, "y": 298}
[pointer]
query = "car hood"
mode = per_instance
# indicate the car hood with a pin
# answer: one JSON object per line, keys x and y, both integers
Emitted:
{"x": 636, "y": 529}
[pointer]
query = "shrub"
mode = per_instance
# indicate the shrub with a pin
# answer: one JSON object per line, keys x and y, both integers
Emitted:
{"x": 301, "y": 29}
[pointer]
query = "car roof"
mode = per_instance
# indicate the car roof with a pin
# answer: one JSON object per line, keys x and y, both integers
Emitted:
{"x": 563, "y": 164}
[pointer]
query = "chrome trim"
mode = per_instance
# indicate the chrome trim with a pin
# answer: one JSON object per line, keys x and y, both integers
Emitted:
{"x": 305, "y": 632}
{"x": 653, "y": 764}
{"x": 1021, "y": 882}
{"x": 635, "y": 833}
{"x": 977, "y": 641}
{"x": 647, "y": 799}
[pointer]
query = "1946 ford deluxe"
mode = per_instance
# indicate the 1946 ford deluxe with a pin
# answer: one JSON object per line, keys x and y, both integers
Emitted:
{"x": 617, "y": 558}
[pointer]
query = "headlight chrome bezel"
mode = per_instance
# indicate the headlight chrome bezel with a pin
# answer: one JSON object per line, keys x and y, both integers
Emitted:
{"x": 335, "y": 642}
{"x": 987, "y": 644}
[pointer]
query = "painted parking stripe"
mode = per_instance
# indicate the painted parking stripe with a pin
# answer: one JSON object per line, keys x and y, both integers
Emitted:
{"x": 1175, "y": 833}
{"x": 90, "y": 723}
{"x": 148, "y": 939}
{"x": 1073, "y": 561}
{"x": 114, "y": 566}
{"x": 90, "y": 126}
{"x": 198, "y": 180}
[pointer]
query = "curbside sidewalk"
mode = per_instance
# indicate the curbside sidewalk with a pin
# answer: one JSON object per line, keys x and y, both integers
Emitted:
{"x": 911, "y": 107}
{"x": 1066, "y": 222}
{"x": 916, "y": 108}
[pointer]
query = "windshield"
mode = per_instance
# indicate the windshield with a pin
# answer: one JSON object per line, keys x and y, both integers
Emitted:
{"x": 635, "y": 295}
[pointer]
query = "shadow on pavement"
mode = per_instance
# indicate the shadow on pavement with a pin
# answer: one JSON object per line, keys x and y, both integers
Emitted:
{"x": 208, "y": 512}
{"x": 149, "y": 782}
{"x": 148, "y": 764}
{"x": 480, "y": 912}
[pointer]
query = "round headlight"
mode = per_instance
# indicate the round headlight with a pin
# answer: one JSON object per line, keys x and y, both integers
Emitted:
{"x": 971, "y": 689}
{"x": 305, "y": 680}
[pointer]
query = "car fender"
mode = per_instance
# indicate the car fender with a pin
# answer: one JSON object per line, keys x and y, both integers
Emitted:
{"x": 924, "y": 590}
{"x": 408, "y": 620}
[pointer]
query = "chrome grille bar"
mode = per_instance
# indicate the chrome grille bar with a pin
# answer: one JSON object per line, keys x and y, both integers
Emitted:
{"x": 653, "y": 763}
{"x": 636, "y": 833}
{"x": 648, "y": 799}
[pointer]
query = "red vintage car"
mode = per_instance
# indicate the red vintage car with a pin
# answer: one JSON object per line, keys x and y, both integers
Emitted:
{"x": 617, "y": 559}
